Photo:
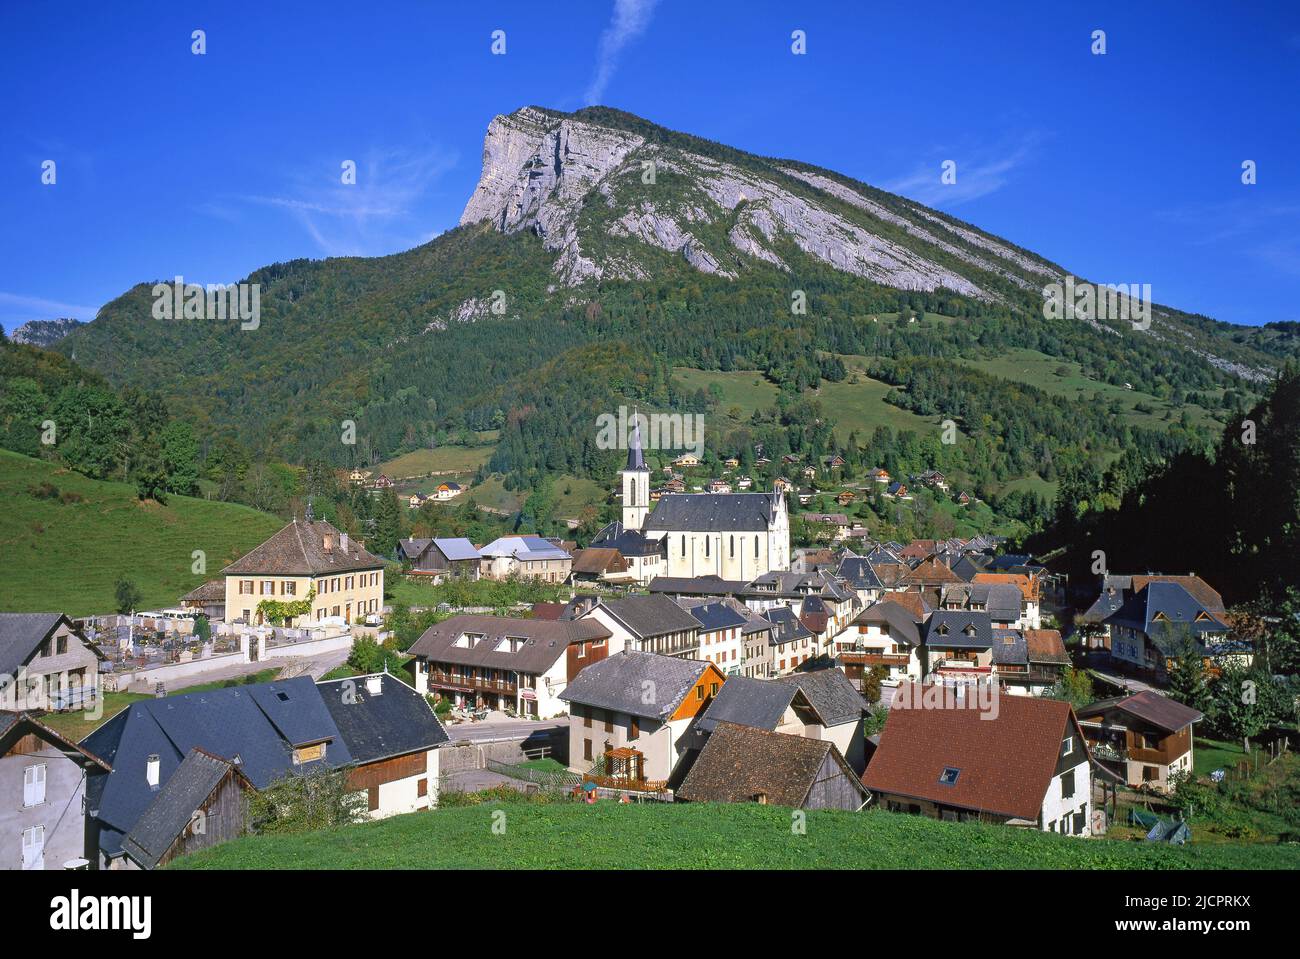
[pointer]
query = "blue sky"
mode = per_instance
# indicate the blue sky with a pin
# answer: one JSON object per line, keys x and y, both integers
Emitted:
{"x": 1123, "y": 168}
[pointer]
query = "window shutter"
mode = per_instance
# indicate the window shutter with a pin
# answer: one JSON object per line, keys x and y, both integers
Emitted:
{"x": 34, "y": 785}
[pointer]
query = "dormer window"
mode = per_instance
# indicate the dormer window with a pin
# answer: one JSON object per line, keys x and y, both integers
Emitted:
{"x": 949, "y": 776}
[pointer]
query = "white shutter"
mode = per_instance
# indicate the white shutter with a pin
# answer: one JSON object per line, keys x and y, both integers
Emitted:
{"x": 34, "y": 848}
{"x": 34, "y": 785}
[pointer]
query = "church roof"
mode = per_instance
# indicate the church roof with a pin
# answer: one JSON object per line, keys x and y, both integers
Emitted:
{"x": 713, "y": 512}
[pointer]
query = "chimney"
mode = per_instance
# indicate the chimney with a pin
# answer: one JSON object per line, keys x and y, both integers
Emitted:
{"x": 151, "y": 771}
{"x": 343, "y": 542}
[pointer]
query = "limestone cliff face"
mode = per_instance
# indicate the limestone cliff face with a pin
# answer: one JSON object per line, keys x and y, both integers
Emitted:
{"x": 585, "y": 188}
{"x": 45, "y": 332}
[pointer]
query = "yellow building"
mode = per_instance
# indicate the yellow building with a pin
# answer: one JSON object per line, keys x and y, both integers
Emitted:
{"x": 308, "y": 558}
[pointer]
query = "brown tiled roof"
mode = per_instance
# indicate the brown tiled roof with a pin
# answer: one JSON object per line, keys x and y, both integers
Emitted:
{"x": 1046, "y": 646}
{"x": 931, "y": 573}
{"x": 1201, "y": 591}
{"x": 213, "y": 591}
{"x": 1150, "y": 706}
{"x": 549, "y": 640}
{"x": 738, "y": 763}
{"x": 890, "y": 574}
{"x": 914, "y": 603}
{"x": 1005, "y": 763}
{"x": 303, "y": 548}
{"x": 551, "y": 611}
{"x": 1028, "y": 586}
{"x": 598, "y": 560}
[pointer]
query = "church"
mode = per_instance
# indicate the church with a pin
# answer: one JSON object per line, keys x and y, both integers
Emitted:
{"x": 736, "y": 536}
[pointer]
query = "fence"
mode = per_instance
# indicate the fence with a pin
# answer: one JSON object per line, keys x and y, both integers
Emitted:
{"x": 558, "y": 779}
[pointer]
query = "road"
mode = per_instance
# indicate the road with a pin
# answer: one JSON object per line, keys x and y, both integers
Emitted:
{"x": 504, "y": 729}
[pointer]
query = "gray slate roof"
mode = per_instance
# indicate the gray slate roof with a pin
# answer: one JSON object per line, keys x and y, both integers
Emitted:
{"x": 750, "y": 702}
{"x": 20, "y": 635}
{"x": 625, "y": 681}
{"x": 650, "y": 615}
{"x": 396, "y": 722}
{"x": 831, "y": 694}
{"x": 786, "y": 625}
{"x": 958, "y": 622}
{"x": 299, "y": 549}
{"x": 174, "y": 806}
{"x": 548, "y": 641}
{"x": 713, "y": 512}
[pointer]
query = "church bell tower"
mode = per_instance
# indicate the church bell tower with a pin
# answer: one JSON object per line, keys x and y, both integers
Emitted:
{"x": 636, "y": 481}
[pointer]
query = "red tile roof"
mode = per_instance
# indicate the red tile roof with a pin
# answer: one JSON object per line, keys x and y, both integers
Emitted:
{"x": 1006, "y": 763}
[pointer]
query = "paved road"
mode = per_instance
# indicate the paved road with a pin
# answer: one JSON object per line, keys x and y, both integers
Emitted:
{"x": 319, "y": 666}
{"x": 509, "y": 729}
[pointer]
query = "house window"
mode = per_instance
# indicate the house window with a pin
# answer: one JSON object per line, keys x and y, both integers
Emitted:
{"x": 1150, "y": 742}
{"x": 586, "y": 719}
{"x": 586, "y": 748}
{"x": 633, "y": 728}
{"x": 61, "y": 645}
{"x": 308, "y": 754}
{"x": 34, "y": 847}
{"x": 699, "y": 692}
{"x": 1067, "y": 745}
{"x": 706, "y": 547}
{"x": 290, "y": 589}
{"x": 1150, "y": 774}
{"x": 1067, "y": 785}
{"x": 949, "y": 776}
{"x": 609, "y": 722}
{"x": 713, "y": 689}
{"x": 34, "y": 785}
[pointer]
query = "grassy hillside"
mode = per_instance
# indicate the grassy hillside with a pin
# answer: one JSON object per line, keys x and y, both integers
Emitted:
{"x": 610, "y": 836}
{"x": 64, "y": 550}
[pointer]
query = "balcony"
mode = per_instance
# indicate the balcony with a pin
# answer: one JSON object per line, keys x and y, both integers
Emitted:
{"x": 876, "y": 659}
{"x": 438, "y": 677}
{"x": 1109, "y": 752}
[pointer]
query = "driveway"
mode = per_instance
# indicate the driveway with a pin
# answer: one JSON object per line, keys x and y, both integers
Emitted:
{"x": 505, "y": 730}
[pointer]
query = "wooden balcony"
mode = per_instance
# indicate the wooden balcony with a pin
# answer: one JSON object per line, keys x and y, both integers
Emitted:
{"x": 876, "y": 659}
{"x": 438, "y": 677}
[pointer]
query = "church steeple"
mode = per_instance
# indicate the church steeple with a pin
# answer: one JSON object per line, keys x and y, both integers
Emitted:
{"x": 636, "y": 481}
{"x": 635, "y": 458}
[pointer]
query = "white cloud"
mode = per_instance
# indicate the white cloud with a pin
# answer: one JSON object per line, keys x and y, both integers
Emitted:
{"x": 979, "y": 173}
{"x": 16, "y": 309}
{"x": 374, "y": 216}
{"x": 631, "y": 17}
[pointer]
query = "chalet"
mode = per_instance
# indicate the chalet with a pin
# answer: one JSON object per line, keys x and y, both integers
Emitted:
{"x": 782, "y": 485}
{"x": 383, "y": 482}
{"x": 731, "y": 462}
{"x": 43, "y": 781}
{"x": 741, "y": 763}
{"x": 719, "y": 486}
{"x": 888, "y": 636}
{"x": 522, "y": 665}
{"x": 202, "y": 750}
{"x": 631, "y": 714}
{"x": 441, "y": 558}
{"x": 792, "y": 643}
{"x": 934, "y": 478}
{"x": 415, "y": 500}
{"x": 687, "y": 461}
{"x": 46, "y": 663}
{"x": 880, "y": 476}
{"x": 446, "y": 491}
{"x": 208, "y": 599}
{"x": 601, "y": 564}
{"x": 648, "y": 624}
{"x": 744, "y": 482}
{"x": 527, "y": 557}
{"x": 958, "y": 648}
{"x": 1145, "y": 738}
{"x": 809, "y": 472}
{"x": 1161, "y": 622}
{"x": 897, "y": 491}
{"x": 963, "y": 498}
{"x": 1028, "y": 662}
{"x": 308, "y": 562}
{"x": 1024, "y": 763}
{"x": 833, "y": 462}
{"x": 846, "y": 497}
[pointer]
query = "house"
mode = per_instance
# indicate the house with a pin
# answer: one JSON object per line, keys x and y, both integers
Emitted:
{"x": 731, "y": 462}
{"x": 743, "y": 763}
{"x": 203, "y": 803}
{"x": 721, "y": 632}
{"x": 46, "y": 663}
{"x": 880, "y": 476}
{"x": 525, "y": 557}
{"x": 264, "y": 732}
{"x": 501, "y": 663}
{"x": 446, "y": 491}
{"x": 888, "y": 636}
{"x": 685, "y": 461}
{"x": 840, "y": 707}
{"x": 833, "y": 462}
{"x": 958, "y": 648}
{"x": 311, "y": 563}
{"x": 1024, "y": 763}
{"x": 415, "y": 500}
{"x": 383, "y": 482}
{"x": 644, "y": 556}
{"x": 846, "y": 497}
{"x": 43, "y": 779}
{"x": 1028, "y": 584}
{"x": 782, "y": 485}
{"x": 208, "y": 599}
{"x": 858, "y": 575}
{"x": 441, "y": 558}
{"x": 648, "y": 624}
{"x": 1161, "y": 622}
{"x": 809, "y": 472}
{"x": 897, "y": 491}
{"x": 1004, "y": 602}
{"x": 719, "y": 486}
{"x": 934, "y": 478}
{"x": 600, "y": 564}
{"x": 1028, "y": 662}
{"x": 792, "y": 642}
{"x": 631, "y": 714}
{"x": 963, "y": 498}
{"x": 1145, "y": 739}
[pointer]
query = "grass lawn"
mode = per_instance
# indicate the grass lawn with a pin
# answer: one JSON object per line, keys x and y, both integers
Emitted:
{"x": 493, "y": 494}
{"x": 861, "y": 406}
{"x": 1211, "y": 754}
{"x": 544, "y": 765}
{"x": 67, "y": 555}
{"x": 743, "y": 836}
{"x": 76, "y": 726}
{"x": 573, "y": 495}
{"x": 746, "y": 389}
{"x": 444, "y": 459}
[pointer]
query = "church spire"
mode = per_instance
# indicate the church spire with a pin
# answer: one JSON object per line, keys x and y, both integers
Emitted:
{"x": 635, "y": 458}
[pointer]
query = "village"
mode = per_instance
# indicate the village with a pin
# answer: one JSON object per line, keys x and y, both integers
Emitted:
{"x": 688, "y": 655}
